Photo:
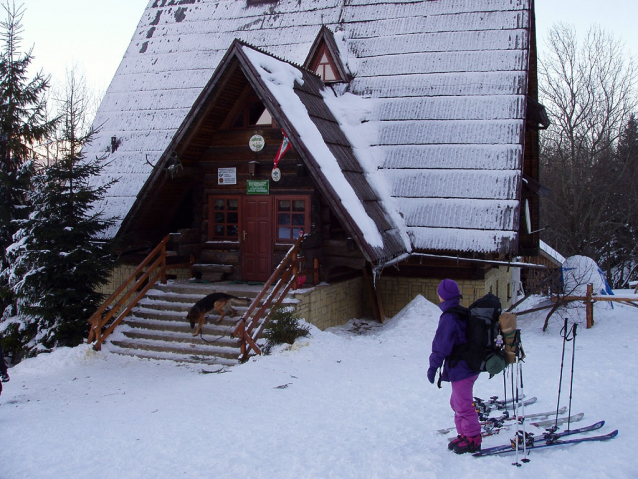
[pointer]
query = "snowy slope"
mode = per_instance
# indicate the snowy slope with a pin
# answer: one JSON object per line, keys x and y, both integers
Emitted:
{"x": 340, "y": 404}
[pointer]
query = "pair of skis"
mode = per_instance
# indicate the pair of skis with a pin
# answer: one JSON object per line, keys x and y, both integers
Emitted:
{"x": 491, "y": 423}
{"x": 495, "y": 425}
{"x": 485, "y": 407}
{"x": 549, "y": 440}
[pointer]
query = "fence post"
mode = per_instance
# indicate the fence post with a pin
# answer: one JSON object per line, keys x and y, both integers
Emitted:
{"x": 589, "y": 306}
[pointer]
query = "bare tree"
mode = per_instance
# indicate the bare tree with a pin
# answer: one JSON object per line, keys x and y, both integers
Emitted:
{"x": 589, "y": 91}
{"x": 76, "y": 105}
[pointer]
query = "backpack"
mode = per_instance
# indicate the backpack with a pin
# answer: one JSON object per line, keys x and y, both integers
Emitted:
{"x": 484, "y": 350}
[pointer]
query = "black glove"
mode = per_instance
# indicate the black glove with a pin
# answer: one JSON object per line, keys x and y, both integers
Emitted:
{"x": 5, "y": 377}
{"x": 431, "y": 374}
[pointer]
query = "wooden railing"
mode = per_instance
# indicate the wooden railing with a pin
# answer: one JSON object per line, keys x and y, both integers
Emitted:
{"x": 249, "y": 329}
{"x": 130, "y": 292}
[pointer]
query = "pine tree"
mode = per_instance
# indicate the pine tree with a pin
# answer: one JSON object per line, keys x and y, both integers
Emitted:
{"x": 59, "y": 259}
{"x": 23, "y": 125}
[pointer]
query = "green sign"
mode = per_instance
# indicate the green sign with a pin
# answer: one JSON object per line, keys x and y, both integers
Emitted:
{"x": 257, "y": 187}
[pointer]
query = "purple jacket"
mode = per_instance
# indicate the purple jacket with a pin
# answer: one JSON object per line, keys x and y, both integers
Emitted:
{"x": 449, "y": 333}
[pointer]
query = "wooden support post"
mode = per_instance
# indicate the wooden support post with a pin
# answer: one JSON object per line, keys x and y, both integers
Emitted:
{"x": 315, "y": 271}
{"x": 295, "y": 269}
{"x": 589, "y": 305}
{"x": 163, "y": 263}
{"x": 375, "y": 297}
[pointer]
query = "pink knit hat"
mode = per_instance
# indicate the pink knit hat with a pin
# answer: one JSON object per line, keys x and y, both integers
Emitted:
{"x": 448, "y": 289}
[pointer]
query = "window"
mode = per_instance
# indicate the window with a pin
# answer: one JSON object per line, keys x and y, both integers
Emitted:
{"x": 324, "y": 66}
{"x": 253, "y": 113}
{"x": 223, "y": 218}
{"x": 324, "y": 69}
{"x": 292, "y": 217}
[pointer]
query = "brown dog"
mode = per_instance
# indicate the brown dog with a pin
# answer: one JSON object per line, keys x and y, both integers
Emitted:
{"x": 221, "y": 302}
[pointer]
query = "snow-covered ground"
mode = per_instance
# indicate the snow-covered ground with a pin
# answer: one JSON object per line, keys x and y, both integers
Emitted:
{"x": 340, "y": 404}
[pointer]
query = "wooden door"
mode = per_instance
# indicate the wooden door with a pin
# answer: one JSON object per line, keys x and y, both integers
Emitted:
{"x": 257, "y": 238}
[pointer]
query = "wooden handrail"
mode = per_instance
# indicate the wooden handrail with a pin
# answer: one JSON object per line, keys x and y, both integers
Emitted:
{"x": 284, "y": 276}
{"x": 155, "y": 262}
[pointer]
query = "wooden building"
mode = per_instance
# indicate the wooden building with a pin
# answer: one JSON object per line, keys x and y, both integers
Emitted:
{"x": 412, "y": 126}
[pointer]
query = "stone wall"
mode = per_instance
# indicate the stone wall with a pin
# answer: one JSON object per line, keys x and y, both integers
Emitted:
{"x": 397, "y": 292}
{"x": 123, "y": 271}
{"x": 328, "y": 305}
{"x": 502, "y": 282}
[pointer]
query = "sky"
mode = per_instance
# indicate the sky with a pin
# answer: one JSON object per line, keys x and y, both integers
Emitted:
{"x": 93, "y": 35}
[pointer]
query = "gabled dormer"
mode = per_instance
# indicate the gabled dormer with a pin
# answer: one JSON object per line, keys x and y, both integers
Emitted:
{"x": 324, "y": 59}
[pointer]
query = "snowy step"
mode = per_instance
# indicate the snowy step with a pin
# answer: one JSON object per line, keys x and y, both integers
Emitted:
{"x": 222, "y": 340}
{"x": 203, "y": 289}
{"x": 180, "y": 316}
{"x": 210, "y": 326}
{"x": 173, "y": 306}
{"x": 157, "y": 327}
{"x": 203, "y": 350}
{"x": 182, "y": 358}
{"x": 179, "y": 307}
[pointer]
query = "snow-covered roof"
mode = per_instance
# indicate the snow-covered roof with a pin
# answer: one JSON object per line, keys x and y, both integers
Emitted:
{"x": 441, "y": 86}
{"x": 551, "y": 252}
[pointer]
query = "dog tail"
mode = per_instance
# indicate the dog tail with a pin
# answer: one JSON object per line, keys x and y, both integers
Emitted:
{"x": 241, "y": 301}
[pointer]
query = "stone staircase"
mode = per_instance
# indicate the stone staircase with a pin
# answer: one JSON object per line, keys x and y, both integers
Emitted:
{"x": 157, "y": 328}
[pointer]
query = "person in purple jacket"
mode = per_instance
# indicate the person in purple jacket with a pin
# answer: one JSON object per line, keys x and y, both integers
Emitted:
{"x": 450, "y": 333}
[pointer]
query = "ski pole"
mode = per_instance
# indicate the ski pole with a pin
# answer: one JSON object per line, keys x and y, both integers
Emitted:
{"x": 505, "y": 386}
{"x": 515, "y": 395}
{"x": 571, "y": 383}
{"x": 563, "y": 333}
{"x": 519, "y": 365}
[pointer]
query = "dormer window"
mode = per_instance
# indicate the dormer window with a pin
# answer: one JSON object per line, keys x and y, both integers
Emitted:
{"x": 323, "y": 58}
{"x": 325, "y": 67}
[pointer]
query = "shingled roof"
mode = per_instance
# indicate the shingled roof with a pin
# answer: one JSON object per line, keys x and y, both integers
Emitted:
{"x": 439, "y": 131}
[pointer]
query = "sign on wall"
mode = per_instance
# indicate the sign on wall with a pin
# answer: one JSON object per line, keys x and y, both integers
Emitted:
{"x": 257, "y": 187}
{"x": 226, "y": 176}
{"x": 257, "y": 143}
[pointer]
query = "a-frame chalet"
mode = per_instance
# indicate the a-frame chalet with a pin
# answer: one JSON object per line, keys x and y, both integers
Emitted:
{"x": 412, "y": 134}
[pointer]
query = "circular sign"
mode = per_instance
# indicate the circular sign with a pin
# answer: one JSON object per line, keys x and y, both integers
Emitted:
{"x": 276, "y": 174}
{"x": 256, "y": 143}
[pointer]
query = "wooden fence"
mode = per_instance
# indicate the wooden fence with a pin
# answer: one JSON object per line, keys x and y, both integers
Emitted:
{"x": 589, "y": 299}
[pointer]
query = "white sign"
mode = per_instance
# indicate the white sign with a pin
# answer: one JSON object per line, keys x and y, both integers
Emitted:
{"x": 256, "y": 143}
{"x": 276, "y": 174}
{"x": 226, "y": 176}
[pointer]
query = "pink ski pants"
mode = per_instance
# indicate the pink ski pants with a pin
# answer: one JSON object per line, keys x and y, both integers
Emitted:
{"x": 465, "y": 415}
